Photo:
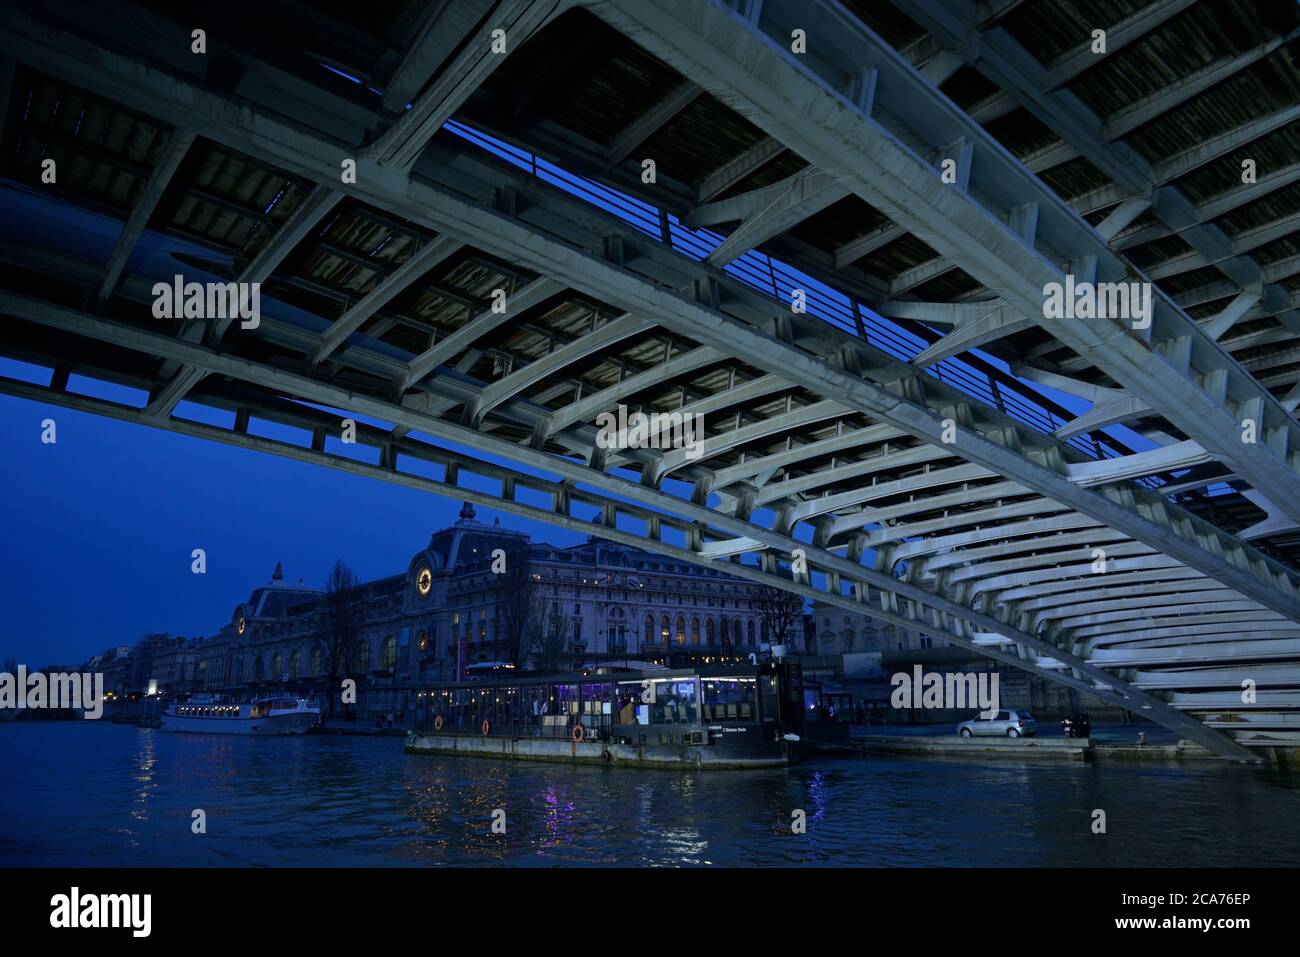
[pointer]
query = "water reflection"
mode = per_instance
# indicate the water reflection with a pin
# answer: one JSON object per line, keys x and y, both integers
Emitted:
{"x": 79, "y": 794}
{"x": 146, "y": 760}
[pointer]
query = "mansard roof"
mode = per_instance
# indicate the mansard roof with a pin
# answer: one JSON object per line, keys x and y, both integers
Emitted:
{"x": 470, "y": 540}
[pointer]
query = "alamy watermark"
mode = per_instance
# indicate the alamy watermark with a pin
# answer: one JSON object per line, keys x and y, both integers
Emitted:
{"x": 951, "y": 690}
{"x": 1131, "y": 301}
{"x": 658, "y": 430}
{"x": 179, "y": 299}
{"x": 75, "y": 909}
{"x": 58, "y": 690}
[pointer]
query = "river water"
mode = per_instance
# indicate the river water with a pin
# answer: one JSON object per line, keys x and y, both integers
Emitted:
{"x": 95, "y": 794}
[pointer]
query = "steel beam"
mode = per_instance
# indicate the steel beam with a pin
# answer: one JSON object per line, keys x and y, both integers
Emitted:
{"x": 479, "y": 56}
{"x": 131, "y": 337}
{"x": 178, "y": 144}
{"x": 743, "y": 67}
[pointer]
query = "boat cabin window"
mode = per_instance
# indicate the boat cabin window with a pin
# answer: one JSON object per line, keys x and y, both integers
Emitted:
{"x": 674, "y": 701}
{"x": 632, "y": 702}
{"x": 597, "y": 704}
{"x": 733, "y": 700}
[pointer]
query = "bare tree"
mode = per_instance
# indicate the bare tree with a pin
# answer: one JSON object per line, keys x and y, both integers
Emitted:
{"x": 517, "y": 606}
{"x": 342, "y": 624}
{"x": 550, "y": 629}
{"x": 779, "y": 609}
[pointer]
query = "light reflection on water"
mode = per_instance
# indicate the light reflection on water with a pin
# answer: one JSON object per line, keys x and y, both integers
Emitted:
{"x": 97, "y": 794}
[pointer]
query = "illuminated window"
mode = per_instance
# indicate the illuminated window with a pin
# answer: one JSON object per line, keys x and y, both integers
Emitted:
{"x": 681, "y": 630}
{"x": 388, "y": 653}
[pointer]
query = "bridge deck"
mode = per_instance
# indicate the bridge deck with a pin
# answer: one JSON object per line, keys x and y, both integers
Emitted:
{"x": 479, "y": 226}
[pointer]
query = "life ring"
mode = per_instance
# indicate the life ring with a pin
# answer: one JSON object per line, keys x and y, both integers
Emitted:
{"x": 605, "y": 756}
{"x": 437, "y": 723}
{"x": 578, "y": 733}
{"x": 486, "y": 727}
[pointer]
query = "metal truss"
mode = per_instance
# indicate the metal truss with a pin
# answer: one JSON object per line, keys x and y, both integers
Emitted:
{"x": 998, "y": 222}
{"x": 836, "y": 449}
{"x": 564, "y": 483}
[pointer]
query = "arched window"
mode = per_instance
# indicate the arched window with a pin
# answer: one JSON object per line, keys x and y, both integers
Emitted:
{"x": 737, "y": 633}
{"x": 695, "y": 631}
{"x": 239, "y": 669}
{"x": 681, "y": 630}
{"x": 275, "y": 666}
{"x": 316, "y": 661}
{"x": 649, "y": 628}
{"x": 663, "y": 629}
{"x": 726, "y": 631}
{"x": 361, "y": 657}
{"x": 708, "y": 630}
{"x": 749, "y": 633}
{"x": 295, "y": 662}
{"x": 258, "y": 668}
{"x": 424, "y": 641}
{"x": 388, "y": 654}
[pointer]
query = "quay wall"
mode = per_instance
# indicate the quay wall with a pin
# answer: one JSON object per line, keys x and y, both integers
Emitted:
{"x": 581, "y": 752}
{"x": 1068, "y": 748}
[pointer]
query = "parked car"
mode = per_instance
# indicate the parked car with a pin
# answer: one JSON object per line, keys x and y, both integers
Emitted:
{"x": 1005, "y": 724}
{"x": 1076, "y": 725}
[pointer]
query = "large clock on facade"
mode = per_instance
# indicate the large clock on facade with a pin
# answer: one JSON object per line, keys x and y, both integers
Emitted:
{"x": 424, "y": 580}
{"x": 241, "y": 625}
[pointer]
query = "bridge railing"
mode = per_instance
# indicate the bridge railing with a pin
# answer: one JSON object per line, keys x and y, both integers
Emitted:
{"x": 903, "y": 340}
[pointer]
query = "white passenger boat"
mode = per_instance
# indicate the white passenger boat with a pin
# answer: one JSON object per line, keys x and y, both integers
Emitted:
{"x": 263, "y": 716}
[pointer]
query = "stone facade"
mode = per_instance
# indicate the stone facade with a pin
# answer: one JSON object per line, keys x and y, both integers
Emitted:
{"x": 449, "y": 609}
{"x": 838, "y": 631}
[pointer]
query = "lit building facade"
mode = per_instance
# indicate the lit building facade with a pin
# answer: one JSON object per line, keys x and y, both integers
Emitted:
{"x": 592, "y": 602}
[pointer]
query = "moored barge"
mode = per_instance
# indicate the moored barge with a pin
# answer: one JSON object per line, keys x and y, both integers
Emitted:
{"x": 722, "y": 716}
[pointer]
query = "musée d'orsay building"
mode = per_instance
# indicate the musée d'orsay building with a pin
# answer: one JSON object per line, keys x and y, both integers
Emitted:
{"x": 595, "y": 601}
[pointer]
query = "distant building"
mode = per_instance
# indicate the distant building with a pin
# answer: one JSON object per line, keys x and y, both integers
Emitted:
{"x": 449, "y": 609}
{"x": 116, "y": 666}
{"x": 142, "y": 659}
{"x": 173, "y": 666}
{"x": 841, "y": 631}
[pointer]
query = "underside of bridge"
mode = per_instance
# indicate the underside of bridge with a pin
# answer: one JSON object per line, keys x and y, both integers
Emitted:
{"x": 827, "y": 228}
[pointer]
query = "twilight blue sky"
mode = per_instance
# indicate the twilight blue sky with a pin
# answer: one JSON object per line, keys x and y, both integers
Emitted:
{"x": 98, "y": 528}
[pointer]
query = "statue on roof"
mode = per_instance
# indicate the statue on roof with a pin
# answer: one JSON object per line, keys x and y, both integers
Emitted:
{"x": 278, "y": 574}
{"x": 467, "y": 512}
